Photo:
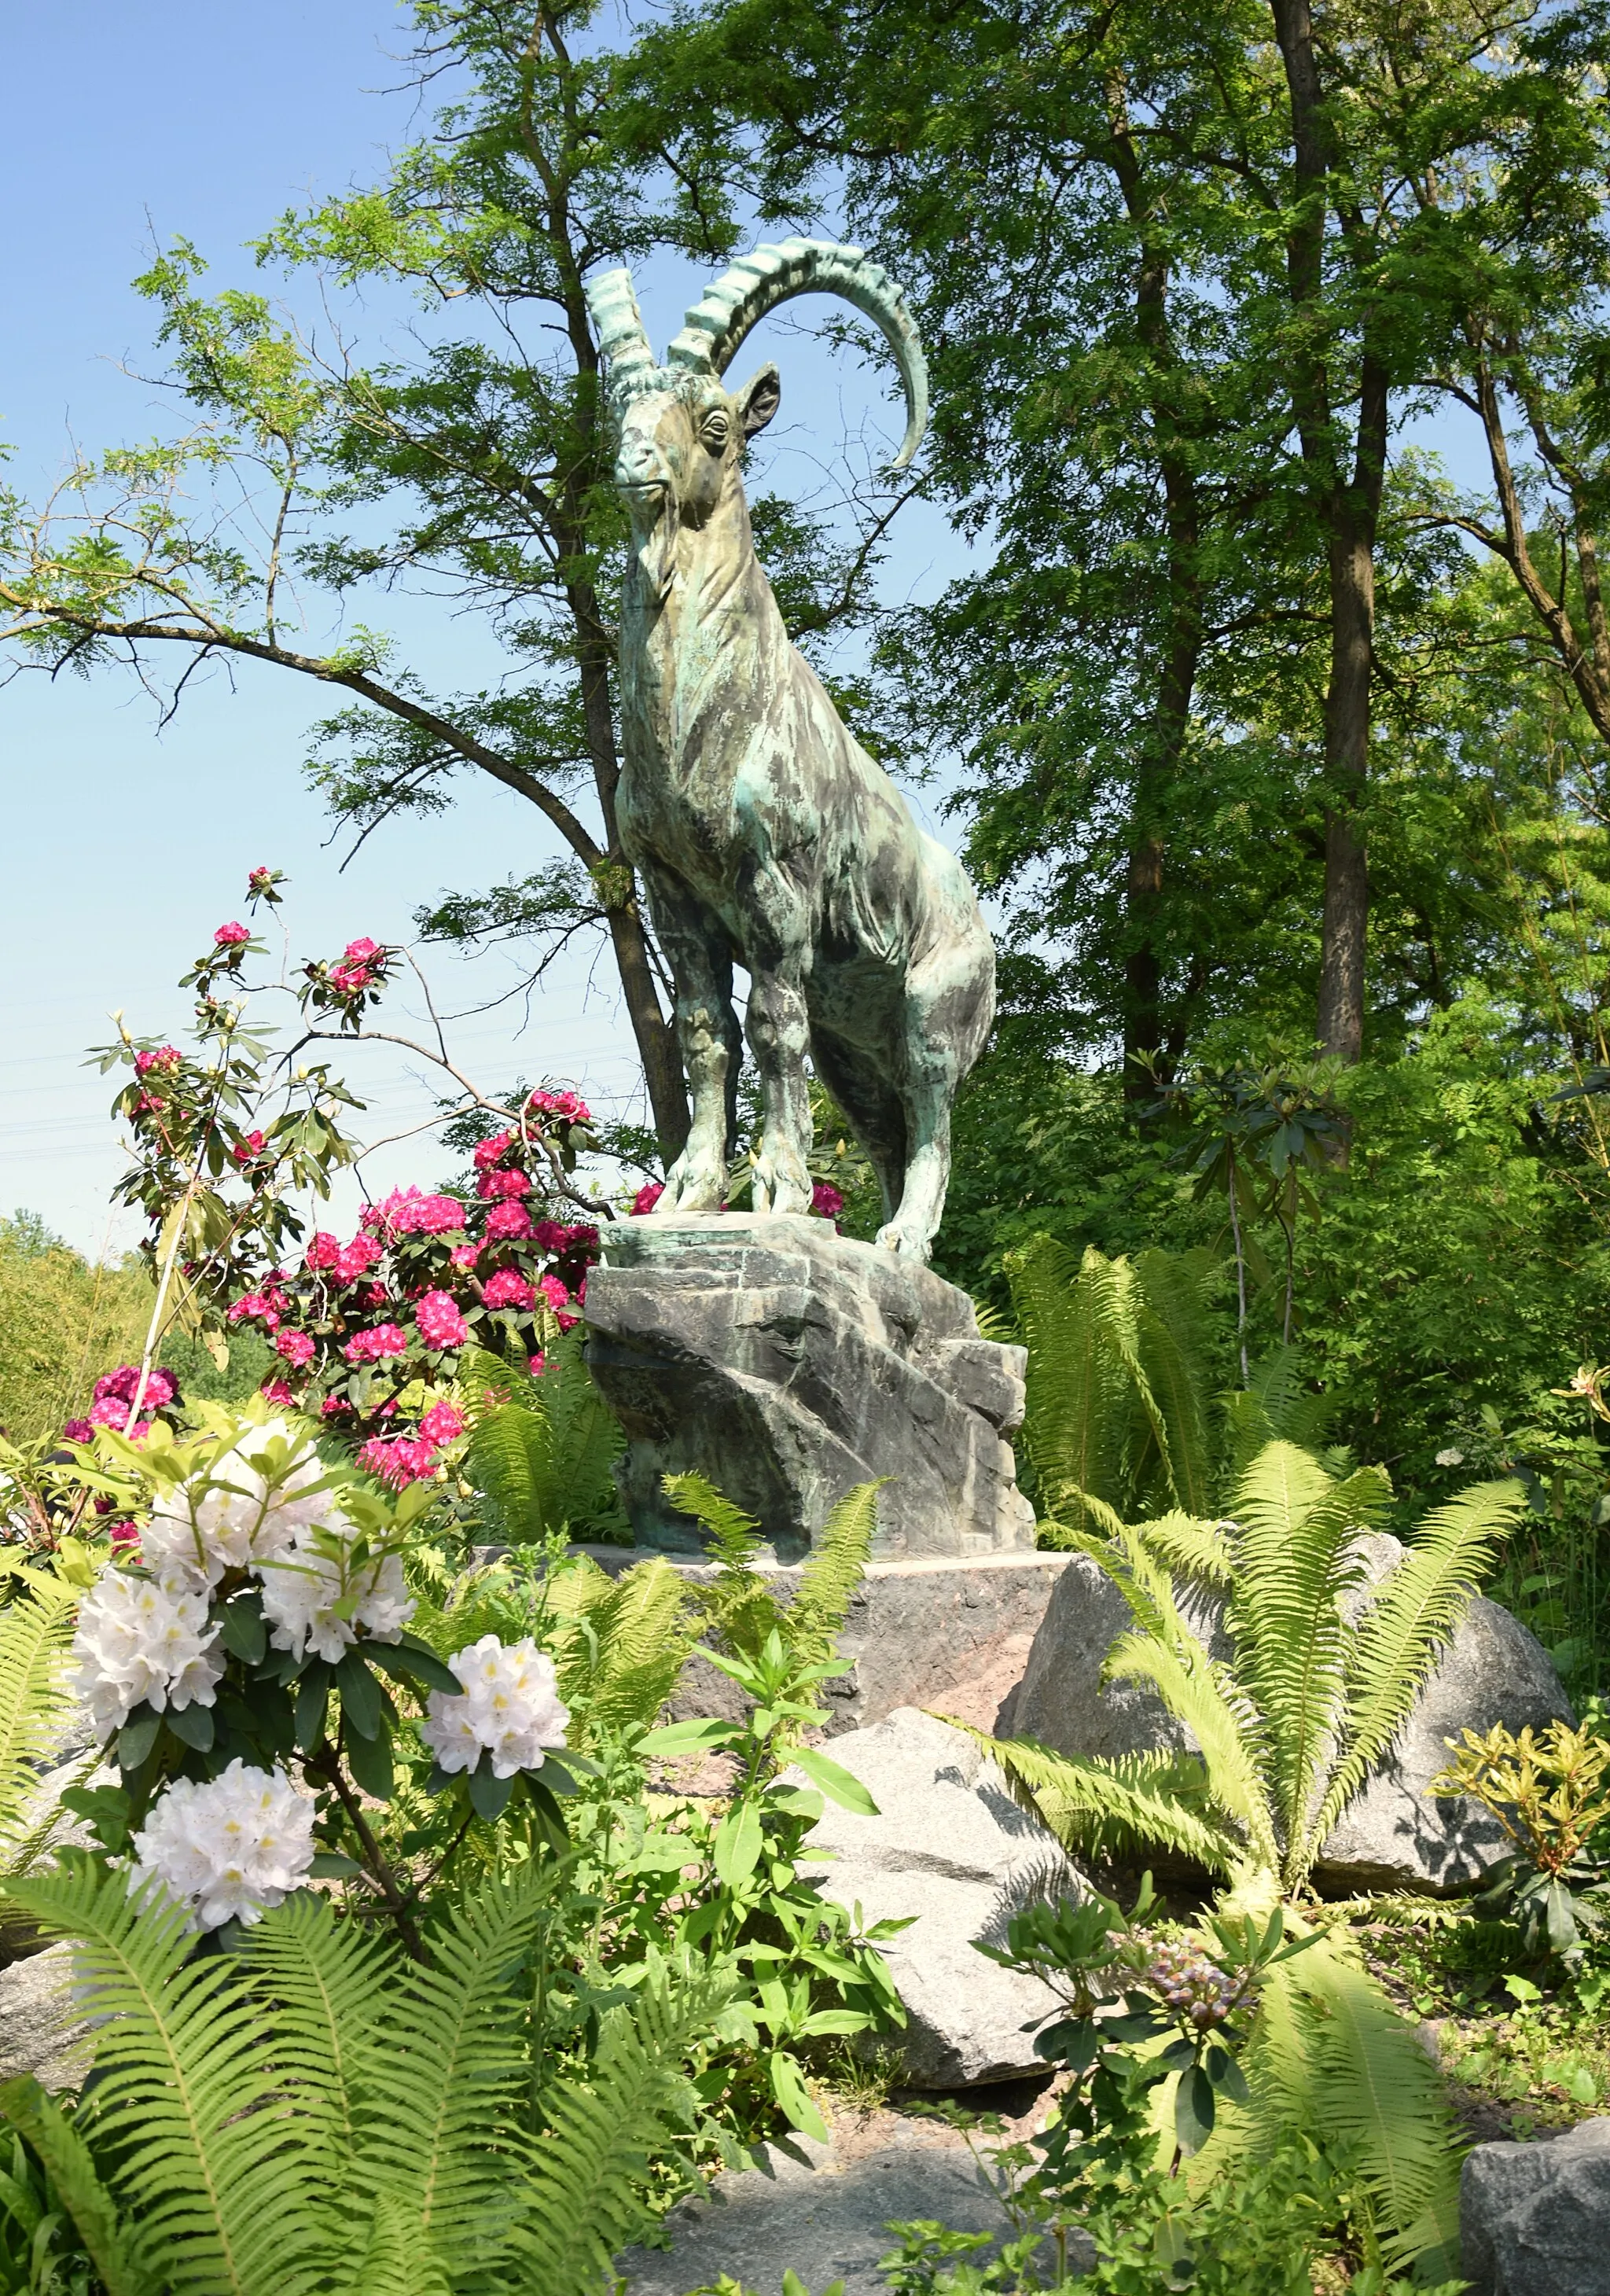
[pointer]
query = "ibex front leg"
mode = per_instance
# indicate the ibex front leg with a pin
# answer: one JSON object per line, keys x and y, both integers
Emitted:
{"x": 779, "y": 1036}
{"x": 698, "y": 951}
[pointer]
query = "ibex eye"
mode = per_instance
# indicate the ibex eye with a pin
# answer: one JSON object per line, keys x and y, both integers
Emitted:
{"x": 716, "y": 431}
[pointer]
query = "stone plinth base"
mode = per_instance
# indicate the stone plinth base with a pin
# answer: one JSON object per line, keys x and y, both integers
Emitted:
{"x": 952, "y": 1636}
{"x": 788, "y": 1363}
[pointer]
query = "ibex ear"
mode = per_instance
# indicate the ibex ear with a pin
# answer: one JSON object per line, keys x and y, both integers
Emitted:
{"x": 759, "y": 400}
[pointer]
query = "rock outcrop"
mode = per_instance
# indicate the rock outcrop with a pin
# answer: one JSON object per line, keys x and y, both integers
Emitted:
{"x": 1535, "y": 2220}
{"x": 952, "y": 1848}
{"x": 1393, "y": 1836}
{"x": 788, "y": 1364}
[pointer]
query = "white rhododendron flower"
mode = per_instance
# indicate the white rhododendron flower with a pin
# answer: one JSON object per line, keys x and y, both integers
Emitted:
{"x": 142, "y": 1639}
{"x": 318, "y": 1592}
{"x": 229, "y": 1847}
{"x": 511, "y": 1709}
{"x": 238, "y": 1513}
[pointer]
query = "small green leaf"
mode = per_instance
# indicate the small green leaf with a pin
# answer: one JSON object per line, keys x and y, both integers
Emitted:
{"x": 360, "y": 1694}
{"x": 245, "y": 1633}
{"x": 1194, "y": 2111}
{"x": 737, "y": 1847}
{"x": 312, "y": 1706}
{"x": 333, "y": 1866}
{"x": 834, "y": 1781}
{"x": 410, "y": 1662}
{"x": 194, "y": 1724}
{"x": 679, "y": 1738}
{"x": 136, "y": 1738}
{"x": 792, "y": 2096}
{"x": 370, "y": 1761}
{"x": 488, "y": 1795}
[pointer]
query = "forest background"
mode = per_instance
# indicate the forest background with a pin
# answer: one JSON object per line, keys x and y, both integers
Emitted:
{"x": 1276, "y": 741}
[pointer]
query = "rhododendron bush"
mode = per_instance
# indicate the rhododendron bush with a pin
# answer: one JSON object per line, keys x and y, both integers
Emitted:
{"x": 234, "y": 1136}
{"x": 246, "y": 1660}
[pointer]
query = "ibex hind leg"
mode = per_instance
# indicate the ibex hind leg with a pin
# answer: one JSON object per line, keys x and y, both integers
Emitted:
{"x": 949, "y": 1004}
{"x": 864, "y": 1090}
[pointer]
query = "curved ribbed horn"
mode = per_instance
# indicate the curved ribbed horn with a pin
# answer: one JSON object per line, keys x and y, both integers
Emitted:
{"x": 623, "y": 341}
{"x": 741, "y": 297}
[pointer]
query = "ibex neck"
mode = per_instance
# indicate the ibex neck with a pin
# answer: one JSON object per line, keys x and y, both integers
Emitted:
{"x": 683, "y": 649}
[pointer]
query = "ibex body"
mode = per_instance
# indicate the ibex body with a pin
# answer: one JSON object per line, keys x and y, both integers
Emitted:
{"x": 764, "y": 835}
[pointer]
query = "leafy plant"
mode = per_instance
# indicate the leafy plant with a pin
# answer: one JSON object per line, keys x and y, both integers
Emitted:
{"x": 541, "y": 1449}
{"x": 1551, "y": 1795}
{"x": 315, "y": 2112}
{"x": 1118, "y": 1381}
{"x": 1287, "y": 1733}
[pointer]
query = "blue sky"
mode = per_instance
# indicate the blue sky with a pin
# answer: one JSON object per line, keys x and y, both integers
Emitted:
{"x": 127, "y": 844}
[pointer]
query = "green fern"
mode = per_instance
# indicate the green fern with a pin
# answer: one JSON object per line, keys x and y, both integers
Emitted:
{"x": 540, "y": 1450}
{"x": 1113, "y": 1807}
{"x": 741, "y": 1609}
{"x": 218, "y": 2179}
{"x": 832, "y": 1571}
{"x": 35, "y": 2115}
{"x": 619, "y": 1644}
{"x": 587, "y": 2177}
{"x": 35, "y": 1632}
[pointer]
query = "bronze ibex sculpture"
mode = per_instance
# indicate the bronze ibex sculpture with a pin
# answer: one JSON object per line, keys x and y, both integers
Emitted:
{"x": 764, "y": 833}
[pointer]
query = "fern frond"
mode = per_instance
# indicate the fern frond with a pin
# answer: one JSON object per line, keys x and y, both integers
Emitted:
{"x": 216, "y": 2172}
{"x": 1077, "y": 1401}
{"x": 1343, "y": 2058}
{"x": 1203, "y": 1696}
{"x": 1296, "y": 1557}
{"x": 741, "y": 1609}
{"x": 1173, "y": 1340}
{"x": 450, "y": 2065}
{"x": 395, "y": 2258}
{"x": 1407, "y": 1624}
{"x": 540, "y": 1451}
{"x": 36, "y": 2114}
{"x": 626, "y": 1641}
{"x": 832, "y": 1571}
{"x": 322, "y": 1984}
{"x": 734, "y": 1536}
{"x": 35, "y": 1632}
{"x": 584, "y": 2202}
{"x": 1189, "y": 1548}
{"x": 1136, "y": 1801}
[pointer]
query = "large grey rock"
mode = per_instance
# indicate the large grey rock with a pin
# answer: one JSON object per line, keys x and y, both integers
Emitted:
{"x": 951, "y": 1847}
{"x": 788, "y": 1364}
{"x": 802, "y": 2210}
{"x": 1394, "y": 1834}
{"x": 1535, "y": 2220}
{"x": 934, "y": 1632}
{"x": 41, "y": 2030}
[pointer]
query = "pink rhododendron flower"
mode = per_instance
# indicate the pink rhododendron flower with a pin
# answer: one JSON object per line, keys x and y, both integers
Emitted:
{"x": 146, "y": 1103}
{"x": 164, "y": 1060}
{"x": 554, "y": 1292}
{"x": 77, "y": 1431}
{"x": 356, "y": 1259}
{"x": 539, "y": 1364}
{"x": 507, "y": 1220}
{"x": 231, "y": 935}
{"x": 139, "y": 1429}
{"x": 405, "y": 1211}
{"x": 569, "y": 1106}
{"x": 826, "y": 1202}
{"x": 324, "y": 1252}
{"x": 334, "y": 1406}
{"x": 246, "y": 1148}
{"x": 487, "y": 1151}
{"x": 441, "y": 1423}
{"x": 359, "y": 952}
{"x": 255, "y": 1307}
{"x": 124, "y": 1536}
{"x": 398, "y": 1461}
{"x": 648, "y": 1196}
{"x": 440, "y": 1324}
{"x": 508, "y": 1289}
{"x": 275, "y": 1391}
{"x": 464, "y": 1255}
{"x": 347, "y": 979}
{"x": 376, "y": 1296}
{"x": 260, "y": 881}
{"x": 109, "y": 1411}
{"x": 508, "y": 1183}
{"x": 386, "y": 1340}
{"x": 297, "y": 1348}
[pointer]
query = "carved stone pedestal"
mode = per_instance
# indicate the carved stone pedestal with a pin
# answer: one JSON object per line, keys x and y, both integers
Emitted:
{"x": 788, "y": 1364}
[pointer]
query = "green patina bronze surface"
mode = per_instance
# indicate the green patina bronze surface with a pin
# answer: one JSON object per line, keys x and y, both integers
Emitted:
{"x": 765, "y": 836}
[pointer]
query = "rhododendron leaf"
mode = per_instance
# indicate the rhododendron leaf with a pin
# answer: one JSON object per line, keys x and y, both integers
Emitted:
{"x": 136, "y": 1738}
{"x": 361, "y": 1698}
{"x": 193, "y": 1725}
{"x": 245, "y": 1635}
{"x": 411, "y": 1661}
{"x": 333, "y": 1866}
{"x": 312, "y": 1706}
{"x": 489, "y": 1795}
{"x": 370, "y": 1761}
{"x": 549, "y": 1816}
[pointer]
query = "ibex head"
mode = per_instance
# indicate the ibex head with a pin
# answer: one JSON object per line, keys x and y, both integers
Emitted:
{"x": 680, "y": 431}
